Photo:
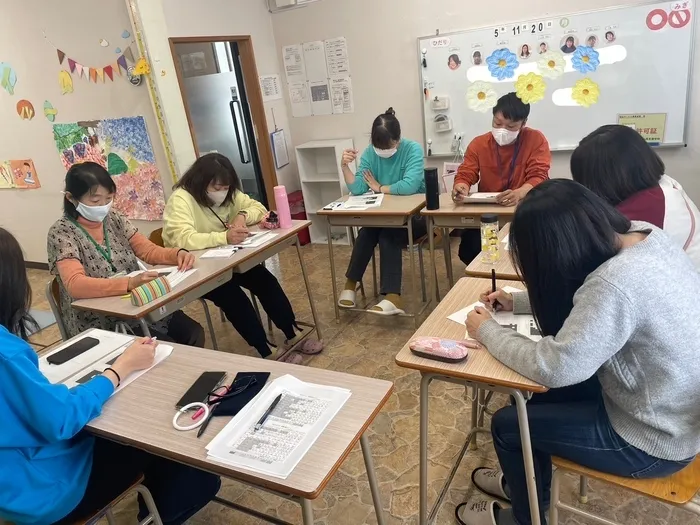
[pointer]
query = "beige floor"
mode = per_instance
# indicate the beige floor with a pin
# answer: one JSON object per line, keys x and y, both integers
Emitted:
{"x": 366, "y": 345}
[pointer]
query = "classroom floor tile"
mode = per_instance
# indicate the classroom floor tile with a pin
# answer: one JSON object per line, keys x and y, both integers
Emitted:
{"x": 366, "y": 345}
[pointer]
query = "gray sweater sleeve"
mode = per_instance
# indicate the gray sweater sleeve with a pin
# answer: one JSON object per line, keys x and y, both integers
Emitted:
{"x": 600, "y": 323}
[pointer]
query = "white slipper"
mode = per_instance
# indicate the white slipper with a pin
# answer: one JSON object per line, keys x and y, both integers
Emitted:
{"x": 490, "y": 481}
{"x": 347, "y": 295}
{"x": 386, "y": 307}
{"x": 477, "y": 513}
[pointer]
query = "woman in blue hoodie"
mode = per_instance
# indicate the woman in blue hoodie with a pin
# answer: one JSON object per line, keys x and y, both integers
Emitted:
{"x": 50, "y": 470}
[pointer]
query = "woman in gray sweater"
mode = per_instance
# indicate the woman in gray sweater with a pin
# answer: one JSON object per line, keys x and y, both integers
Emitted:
{"x": 617, "y": 305}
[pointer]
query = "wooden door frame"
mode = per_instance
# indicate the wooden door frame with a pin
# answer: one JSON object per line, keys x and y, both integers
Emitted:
{"x": 255, "y": 100}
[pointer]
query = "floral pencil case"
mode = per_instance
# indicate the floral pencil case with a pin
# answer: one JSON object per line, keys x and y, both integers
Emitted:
{"x": 446, "y": 350}
{"x": 150, "y": 291}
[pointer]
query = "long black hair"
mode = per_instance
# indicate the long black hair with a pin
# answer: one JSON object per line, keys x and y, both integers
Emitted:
{"x": 560, "y": 233}
{"x": 385, "y": 130}
{"x": 15, "y": 290}
{"x": 84, "y": 178}
{"x": 207, "y": 168}
{"x": 615, "y": 162}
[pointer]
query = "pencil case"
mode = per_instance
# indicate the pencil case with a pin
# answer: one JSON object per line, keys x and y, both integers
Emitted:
{"x": 150, "y": 291}
{"x": 270, "y": 221}
{"x": 446, "y": 350}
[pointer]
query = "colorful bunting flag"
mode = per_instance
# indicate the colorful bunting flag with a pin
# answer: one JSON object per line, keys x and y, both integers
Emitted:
{"x": 100, "y": 74}
{"x": 122, "y": 63}
{"x": 61, "y": 56}
{"x": 129, "y": 55}
{"x": 93, "y": 75}
{"x": 108, "y": 72}
{"x": 78, "y": 70}
{"x": 71, "y": 65}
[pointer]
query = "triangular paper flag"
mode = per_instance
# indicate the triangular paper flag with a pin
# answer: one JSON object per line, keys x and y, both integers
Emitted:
{"x": 142, "y": 67}
{"x": 129, "y": 55}
{"x": 116, "y": 68}
{"x": 93, "y": 75}
{"x": 71, "y": 65}
{"x": 78, "y": 70}
{"x": 108, "y": 72}
{"x": 122, "y": 63}
{"x": 61, "y": 56}
{"x": 100, "y": 74}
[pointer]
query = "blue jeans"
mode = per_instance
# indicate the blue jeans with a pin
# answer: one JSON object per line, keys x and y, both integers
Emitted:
{"x": 570, "y": 423}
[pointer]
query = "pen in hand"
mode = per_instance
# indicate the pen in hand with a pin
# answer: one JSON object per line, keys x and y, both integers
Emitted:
{"x": 494, "y": 302}
{"x": 267, "y": 413}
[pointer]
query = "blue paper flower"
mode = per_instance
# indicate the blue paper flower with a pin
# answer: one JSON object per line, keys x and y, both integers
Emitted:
{"x": 585, "y": 59}
{"x": 502, "y": 64}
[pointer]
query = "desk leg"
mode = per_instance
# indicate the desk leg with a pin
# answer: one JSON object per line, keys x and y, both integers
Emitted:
{"x": 144, "y": 327}
{"x": 308, "y": 290}
{"x": 423, "y": 445}
{"x": 330, "y": 255}
{"x": 372, "y": 477}
{"x": 448, "y": 255}
{"x": 433, "y": 264}
{"x": 414, "y": 288}
{"x": 524, "y": 425}
{"x": 307, "y": 512}
{"x": 476, "y": 392}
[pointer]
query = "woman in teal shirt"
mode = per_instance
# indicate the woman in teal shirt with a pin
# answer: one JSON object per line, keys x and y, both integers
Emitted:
{"x": 392, "y": 165}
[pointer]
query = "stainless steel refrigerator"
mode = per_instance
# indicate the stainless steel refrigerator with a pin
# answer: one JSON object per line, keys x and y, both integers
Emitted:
{"x": 219, "y": 111}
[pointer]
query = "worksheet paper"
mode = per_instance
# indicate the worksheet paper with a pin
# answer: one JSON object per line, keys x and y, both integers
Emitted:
{"x": 363, "y": 202}
{"x": 337, "y": 58}
{"x": 257, "y": 239}
{"x": 92, "y": 363}
{"x": 300, "y": 99}
{"x": 172, "y": 274}
{"x": 523, "y": 324}
{"x": 294, "y": 68}
{"x": 320, "y": 97}
{"x": 271, "y": 87}
{"x": 341, "y": 95}
{"x": 219, "y": 253}
{"x": 504, "y": 241}
{"x": 481, "y": 198}
{"x": 288, "y": 433}
{"x": 315, "y": 61}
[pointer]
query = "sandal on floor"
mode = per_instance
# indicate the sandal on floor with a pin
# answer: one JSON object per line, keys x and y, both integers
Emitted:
{"x": 490, "y": 481}
{"x": 477, "y": 513}
{"x": 347, "y": 299}
{"x": 307, "y": 347}
{"x": 293, "y": 358}
{"x": 386, "y": 307}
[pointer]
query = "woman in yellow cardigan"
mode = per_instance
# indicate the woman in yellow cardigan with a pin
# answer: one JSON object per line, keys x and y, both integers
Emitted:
{"x": 208, "y": 209}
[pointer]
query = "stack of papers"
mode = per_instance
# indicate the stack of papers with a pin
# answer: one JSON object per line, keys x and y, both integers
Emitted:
{"x": 224, "y": 253}
{"x": 172, "y": 274}
{"x": 257, "y": 239}
{"x": 523, "y": 324}
{"x": 92, "y": 363}
{"x": 480, "y": 198}
{"x": 295, "y": 424}
{"x": 363, "y": 202}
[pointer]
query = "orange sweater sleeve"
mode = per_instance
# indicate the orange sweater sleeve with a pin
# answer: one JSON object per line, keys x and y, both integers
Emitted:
{"x": 539, "y": 162}
{"x": 152, "y": 253}
{"x": 468, "y": 172}
{"x": 80, "y": 286}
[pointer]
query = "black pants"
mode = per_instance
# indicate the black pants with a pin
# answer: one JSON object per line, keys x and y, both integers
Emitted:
{"x": 179, "y": 491}
{"x": 391, "y": 241}
{"x": 238, "y": 309}
{"x": 182, "y": 329}
{"x": 470, "y": 245}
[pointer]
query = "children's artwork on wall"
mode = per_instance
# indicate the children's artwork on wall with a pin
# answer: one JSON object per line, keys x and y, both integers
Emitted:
{"x": 19, "y": 174}
{"x": 65, "y": 82}
{"x": 8, "y": 78}
{"x": 49, "y": 111}
{"x": 25, "y": 110}
{"x": 123, "y": 147}
{"x": 585, "y": 92}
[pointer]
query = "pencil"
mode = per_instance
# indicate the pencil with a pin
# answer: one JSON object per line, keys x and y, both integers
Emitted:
{"x": 494, "y": 303}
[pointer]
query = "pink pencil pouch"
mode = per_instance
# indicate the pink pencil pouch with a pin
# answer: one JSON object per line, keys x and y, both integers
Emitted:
{"x": 446, "y": 350}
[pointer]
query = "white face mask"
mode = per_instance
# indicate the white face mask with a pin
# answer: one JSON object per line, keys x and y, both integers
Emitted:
{"x": 93, "y": 213}
{"x": 385, "y": 153}
{"x": 503, "y": 136}
{"x": 217, "y": 197}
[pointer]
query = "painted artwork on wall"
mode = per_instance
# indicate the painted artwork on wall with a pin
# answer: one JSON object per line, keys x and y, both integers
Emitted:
{"x": 18, "y": 174}
{"x": 124, "y": 148}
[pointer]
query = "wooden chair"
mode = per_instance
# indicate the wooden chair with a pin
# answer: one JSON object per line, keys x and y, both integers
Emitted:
{"x": 53, "y": 297}
{"x": 678, "y": 489}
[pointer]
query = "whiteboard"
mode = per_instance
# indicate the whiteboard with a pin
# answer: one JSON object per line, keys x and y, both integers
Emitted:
{"x": 644, "y": 54}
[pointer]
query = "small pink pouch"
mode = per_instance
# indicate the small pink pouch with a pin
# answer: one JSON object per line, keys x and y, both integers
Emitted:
{"x": 446, "y": 350}
{"x": 270, "y": 221}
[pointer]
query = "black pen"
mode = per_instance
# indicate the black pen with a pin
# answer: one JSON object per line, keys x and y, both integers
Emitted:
{"x": 267, "y": 413}
{"x": 205, "y": 424}
{"x": 494, "y": 303}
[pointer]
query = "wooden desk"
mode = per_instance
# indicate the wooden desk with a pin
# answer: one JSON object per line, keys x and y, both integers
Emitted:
{"x": 395, "y": 212}
{"x": 482, "y": 372}
{"x": 210, "y": 274}
{"x": 504, "y": 266}
{"x": 450, "y": 215}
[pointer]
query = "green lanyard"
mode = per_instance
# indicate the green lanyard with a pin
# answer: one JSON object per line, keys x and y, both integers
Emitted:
{"x": 107, "y": 254}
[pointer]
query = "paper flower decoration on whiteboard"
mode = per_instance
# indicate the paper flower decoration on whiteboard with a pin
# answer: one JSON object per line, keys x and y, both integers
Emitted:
{"x": 551, "y": 64}
{"x": 585, "y": 92}
{"x": 585, "y": 59}
{"x": 502, "y": 64}
{"x": 530, "y": 88}
{"x": 481, "y": 97}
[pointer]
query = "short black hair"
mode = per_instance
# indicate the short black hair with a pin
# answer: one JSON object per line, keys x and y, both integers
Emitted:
{"x": 15, "y": 290}
{"x": 512, "y": 108}
{"x": 615, "y": 162}
{"x": 385, "y": 130}
{"x": 570, "y": 39}
{"x": 609, "y": 33}
{"x": 212, "y": 167}
{"x": 84, "y": 178}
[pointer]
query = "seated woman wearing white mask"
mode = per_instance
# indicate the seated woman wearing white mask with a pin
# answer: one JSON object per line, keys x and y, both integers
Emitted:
{"x": 393, "y": 165}
{"x": 92, "y": 248}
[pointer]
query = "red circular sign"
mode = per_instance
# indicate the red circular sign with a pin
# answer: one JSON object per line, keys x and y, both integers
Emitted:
{"x": 678, "y": 19}
{"x": 660, "y": 24}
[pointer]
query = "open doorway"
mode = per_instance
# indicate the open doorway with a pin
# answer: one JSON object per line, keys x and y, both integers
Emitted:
{"x": 219, "y": 85}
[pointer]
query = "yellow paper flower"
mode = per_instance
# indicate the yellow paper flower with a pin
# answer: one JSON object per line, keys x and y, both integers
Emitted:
{"x": 481, "y": 97}
{"x": 551, "y": 64}
{"x": 585, "y": 92}
{"x": 530, "y": 88}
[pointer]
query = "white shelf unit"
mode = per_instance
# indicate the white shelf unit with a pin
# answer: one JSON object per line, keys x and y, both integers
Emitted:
{"x": 322, "y": 182}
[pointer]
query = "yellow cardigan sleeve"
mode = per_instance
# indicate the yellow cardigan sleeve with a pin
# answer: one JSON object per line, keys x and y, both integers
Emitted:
{"x": 179, "y": 227}
{"x": 255, "y": 211}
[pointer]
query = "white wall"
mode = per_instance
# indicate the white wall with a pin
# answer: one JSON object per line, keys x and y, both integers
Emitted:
{"x": 382, "y": 41}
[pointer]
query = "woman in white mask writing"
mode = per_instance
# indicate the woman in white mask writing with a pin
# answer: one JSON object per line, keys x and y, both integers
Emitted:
{"x": 510, "y": 159}
{"x": 92, "y": 248}
{"x": 394, "y": 165}
{"x": 208, "y": 209}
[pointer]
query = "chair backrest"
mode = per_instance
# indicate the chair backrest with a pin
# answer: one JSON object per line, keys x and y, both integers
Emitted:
{"x": 156, "y": 237}
{"x": 53, "y": 297}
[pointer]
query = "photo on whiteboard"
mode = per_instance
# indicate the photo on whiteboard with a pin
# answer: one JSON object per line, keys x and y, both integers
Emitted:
{"x": 569, "y": 43}
{"x": 543, "y": 48}
{"x": 453, "y": 62}
{"x": 525, "y": 51}
{"x": 592, "y": 41}
{"x": 476, "y": 58}
{"x": 610, "y": 37}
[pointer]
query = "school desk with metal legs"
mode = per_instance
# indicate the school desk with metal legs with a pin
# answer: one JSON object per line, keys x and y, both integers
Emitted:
{"x": 504, "y": 266}
{"x": 450, "y": 215}
{"x": 396, "y": 211}
{"x": 482, "y": 372}
{"x": 210, "y": 274}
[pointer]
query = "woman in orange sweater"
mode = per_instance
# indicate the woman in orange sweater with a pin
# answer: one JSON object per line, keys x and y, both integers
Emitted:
{"x": 92, "y": 249}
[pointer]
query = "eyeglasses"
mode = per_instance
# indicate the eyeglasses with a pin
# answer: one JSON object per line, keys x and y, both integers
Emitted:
{"x": 226, "y": 392}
